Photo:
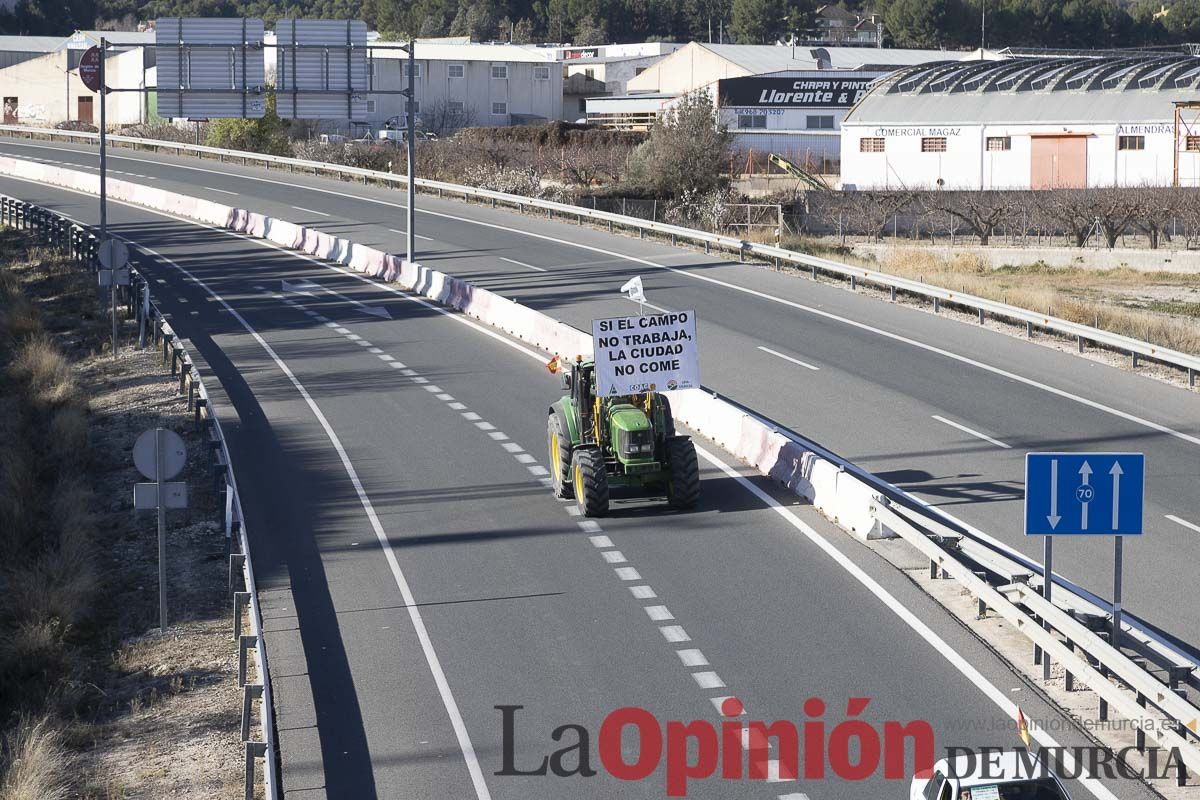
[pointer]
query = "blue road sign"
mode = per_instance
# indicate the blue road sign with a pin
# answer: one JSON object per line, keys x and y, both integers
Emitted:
{"x": 1084, "y": 494}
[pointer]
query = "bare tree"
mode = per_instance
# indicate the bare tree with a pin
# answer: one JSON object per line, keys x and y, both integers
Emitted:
{"x": 982, "y": 212}
{"x": 871, "y": 211}
{"x": 1189, "y": 212}
{"x": 440, "y": 119}
{"x": 1115, "y": 209}
{"x": 1069, "y": 210}
{"x": 1158, "y": 206}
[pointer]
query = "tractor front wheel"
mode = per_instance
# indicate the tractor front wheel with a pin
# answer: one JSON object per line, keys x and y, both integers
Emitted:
{"x": 683, "y": 487}
{"x": 560, "y": 456}
{"x": 590, "y": 481}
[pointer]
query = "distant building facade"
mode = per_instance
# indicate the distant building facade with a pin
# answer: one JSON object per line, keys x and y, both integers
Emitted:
{"x": 837, "y": 26}
{"x": 774, "y": 98}
{"x": 40, "y": 85}
{"x": 461, "y": 85}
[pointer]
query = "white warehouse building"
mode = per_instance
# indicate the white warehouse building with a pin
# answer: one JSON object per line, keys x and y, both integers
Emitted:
{"x": 1028, "y": 123}
{"x": 466, "y": 84}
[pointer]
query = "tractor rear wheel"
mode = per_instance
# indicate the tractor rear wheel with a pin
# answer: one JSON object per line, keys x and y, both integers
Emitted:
{"x": 590, "y": 481}
{"x": 560, "y": 456}
{"x": 683, "y": 486}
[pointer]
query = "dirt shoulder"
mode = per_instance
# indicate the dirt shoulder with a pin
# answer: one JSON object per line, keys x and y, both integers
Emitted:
{"x": 94, "y": 701}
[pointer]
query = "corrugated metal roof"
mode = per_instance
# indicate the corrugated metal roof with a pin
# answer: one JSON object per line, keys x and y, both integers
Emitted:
{"x": 30, "y": 44}
{"x": 116, "y": 37}
{"x": 439, "y": 51}
{"x": 1031, "y": 90}
{"x": 758, "y": 59}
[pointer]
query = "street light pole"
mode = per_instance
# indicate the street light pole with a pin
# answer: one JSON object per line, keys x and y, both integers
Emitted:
{"x": 412, "y": 136}
{"x": 982, "y": 27}
{"x": 104, "y": 185}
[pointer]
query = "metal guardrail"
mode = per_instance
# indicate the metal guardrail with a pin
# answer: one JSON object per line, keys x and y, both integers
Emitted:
{"x": 81, "y": 244}
{"x": 1135, "y": 348}
{"x": 955, "y": 540}
{"x": 1109, "y": 662}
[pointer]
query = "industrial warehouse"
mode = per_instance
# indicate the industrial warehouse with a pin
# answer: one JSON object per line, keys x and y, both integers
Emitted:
{"x": 1028, "y": 123}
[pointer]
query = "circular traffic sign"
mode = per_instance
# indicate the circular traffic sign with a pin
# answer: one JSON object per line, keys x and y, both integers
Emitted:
{"x": 113, "y": 253}
{"x": 174, "y": 454}
{"x": 89, "y": 68}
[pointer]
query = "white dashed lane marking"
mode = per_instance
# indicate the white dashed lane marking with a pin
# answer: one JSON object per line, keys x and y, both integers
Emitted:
{"x": 659, "y": 613}
{"x": 674, "y": 633}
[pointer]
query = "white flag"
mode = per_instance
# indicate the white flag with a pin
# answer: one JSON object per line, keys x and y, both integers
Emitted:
{"x": 633, "y": 288}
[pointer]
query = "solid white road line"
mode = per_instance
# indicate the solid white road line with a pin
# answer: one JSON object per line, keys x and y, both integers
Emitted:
{"x": 410, "y": 601}
{"x": 311, "y": 211}
{"x": 1184, "y": 522}
{"x": 788, "y": 358}
{"x": 522, "y": 264}
{"x": 974, "y": 433}
{"x": 890, "y": 602}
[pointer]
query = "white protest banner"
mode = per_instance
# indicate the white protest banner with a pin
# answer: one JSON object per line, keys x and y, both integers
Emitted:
{"x": 653, "y": 353}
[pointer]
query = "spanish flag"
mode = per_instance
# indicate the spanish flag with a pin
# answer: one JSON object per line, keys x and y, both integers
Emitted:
{"x": 1022, "y": 726}
{"x": 552, "y": 365}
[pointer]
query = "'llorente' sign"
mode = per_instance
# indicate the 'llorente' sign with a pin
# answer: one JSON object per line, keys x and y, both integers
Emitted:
{"x": 653, "y": 353}
{"x": 791, "y": 92}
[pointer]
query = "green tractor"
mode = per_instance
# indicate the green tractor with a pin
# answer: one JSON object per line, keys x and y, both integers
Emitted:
{"x": 598, "y": 442}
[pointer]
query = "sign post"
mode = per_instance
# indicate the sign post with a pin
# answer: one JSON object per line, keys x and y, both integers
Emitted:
{"x": 1085, "y": 494}
{"x": 91, "y": 73}
{"x": 159, "y": 455}
{"x": 646, "y": 354}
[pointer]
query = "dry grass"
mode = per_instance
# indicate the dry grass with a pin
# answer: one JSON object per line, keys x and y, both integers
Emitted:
{"x": 49, "y": 577}
{"x": 36, "y": 763}
{"x": 45, "y": 371}
{"x": 1089, "y": 297}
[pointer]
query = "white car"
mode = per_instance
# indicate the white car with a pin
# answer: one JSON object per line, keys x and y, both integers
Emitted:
{"x": 1003, "y": 776}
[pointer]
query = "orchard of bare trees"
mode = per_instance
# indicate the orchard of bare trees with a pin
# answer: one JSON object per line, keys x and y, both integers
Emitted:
{"x": 1155, "y": 216}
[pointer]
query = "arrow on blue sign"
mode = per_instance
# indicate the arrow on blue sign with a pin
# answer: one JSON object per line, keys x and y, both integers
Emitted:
{"x": 1061, "y": 496}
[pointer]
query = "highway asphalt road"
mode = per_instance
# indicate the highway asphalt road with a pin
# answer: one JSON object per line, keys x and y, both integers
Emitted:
{"x": 416, "y": 573}
{"x": 942, "y": 408}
